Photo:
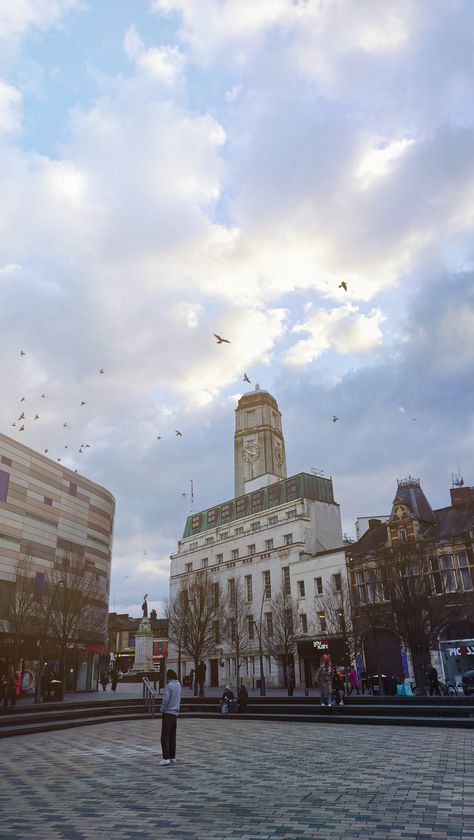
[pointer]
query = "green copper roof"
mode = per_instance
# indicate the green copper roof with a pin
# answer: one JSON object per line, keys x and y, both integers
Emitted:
{"x": 301, "y": 486}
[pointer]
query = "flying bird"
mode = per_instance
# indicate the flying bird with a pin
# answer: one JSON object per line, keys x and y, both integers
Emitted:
{"x": 22, "y": 353}
{"x": 13, "y": 424}
{"x": 64, "y": 425}
{"x": 43, "y": 396}
{"x": 58, "y": 459}
{"x": 158, "y": 437}
{"x": 65, "y": 447}
{"x": 83, "y": 402}
{"x": 343, "y": 285}
{"x": 22, "y": 416}
{"x": 414, "y": 418}
{"x": 75, "y": 470}
{"x": 36, "y": 417}
{"x": 102, "y": 370}
{"x": 221, "y": 340}
{"x": 88, "y": 446}
{"x": 45, "y": 450}
{"x": 21, "y": 429}
{"x": 334, "y": 418}
{"x": 178, "y": 433}
{"x": 23, "y": 399}
{"x": 246, "y": 379}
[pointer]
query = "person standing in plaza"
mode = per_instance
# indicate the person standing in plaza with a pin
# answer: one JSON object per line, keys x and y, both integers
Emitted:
{"x": 104, "y": 679}
{"x": 114, "y": 679}
{"x": 324, "y": 679}
{"x": 170, "y": 710}
{"x": 338, "y": 687}
{"x": 290, "y": 679}
{"x": 433, "y": 680}
{"x": 201, "y": 677}
{"x": 353, "y": 680}
{"x": 364, "y": 680}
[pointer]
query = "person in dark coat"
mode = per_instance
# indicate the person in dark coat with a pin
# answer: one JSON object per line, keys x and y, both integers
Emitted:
{"x": 364, "y": 680}
{"x": 201, "y": 677}
{"x": 242, "y": 698}
{"x": 114, "y": 679}
{"x": 338, "y": 687}
{"x": 227, "y": 698}
{"x": 104, "y": 679}
{"x": 433, "y": 680}
{"x": 290, "y": 680}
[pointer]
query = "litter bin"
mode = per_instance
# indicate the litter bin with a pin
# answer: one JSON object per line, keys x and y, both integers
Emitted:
{"x": 55, "y": 690}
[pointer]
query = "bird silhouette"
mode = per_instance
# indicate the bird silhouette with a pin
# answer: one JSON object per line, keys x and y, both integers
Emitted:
{"x": 81, "y": 452}
{"x": 83, "y": 402}
{"x": 22, "y": 416}
{"x": 22, "y": 353}
{"x": 102, "y": 370}
{"x": 158, "y": 437}
{"x": 178, "y": 433}
{"x": 58, "y": 459}
{"x": 221, "y": 340}
{"x": 88, "y": 446}
{"x": 246, "y": 379}
{"x": 65, "y": 447}
{"x": 43, "y": 396}
{"x": 334, "y": 418}
{"x": 343, "y": 285}
{"x": 36, "y": 417}
{"x": 64, "y": 425}
{"x": 75, "y": 470}
{"x": 13, "y": 424}
{"x": 21, "y": 429}
{"x": 45, "y": 450}
{"x": 23, "y": 399}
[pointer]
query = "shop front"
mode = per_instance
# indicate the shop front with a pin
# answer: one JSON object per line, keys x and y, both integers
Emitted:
{"x": 457, "y": 650}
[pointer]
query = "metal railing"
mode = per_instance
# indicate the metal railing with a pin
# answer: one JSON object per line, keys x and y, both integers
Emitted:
{"x": 149, "y": 695}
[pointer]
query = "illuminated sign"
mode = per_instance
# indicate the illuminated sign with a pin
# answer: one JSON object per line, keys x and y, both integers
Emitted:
{"x": 321, "y": 644}
{"x": 463, "y": 650}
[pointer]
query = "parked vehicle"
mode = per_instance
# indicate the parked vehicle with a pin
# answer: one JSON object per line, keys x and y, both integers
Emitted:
{"x": 468, "y": 682}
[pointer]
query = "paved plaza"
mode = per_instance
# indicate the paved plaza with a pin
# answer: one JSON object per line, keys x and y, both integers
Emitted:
{"x": 239, "y": 780}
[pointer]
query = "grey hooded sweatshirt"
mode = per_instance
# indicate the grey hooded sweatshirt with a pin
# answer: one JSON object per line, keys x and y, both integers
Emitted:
{"x": 171, "y": 698}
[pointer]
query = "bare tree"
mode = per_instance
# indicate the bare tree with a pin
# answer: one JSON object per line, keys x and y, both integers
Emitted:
{"x": 237, "y": 623}
{"x": 71, "y": 607}
{"x": 205, "y": 614}
{"x": 19, "y": 605}
{"x": 176, "y": 612}
{"x": 282, "y": 634}
{"x": 334, "y": 605}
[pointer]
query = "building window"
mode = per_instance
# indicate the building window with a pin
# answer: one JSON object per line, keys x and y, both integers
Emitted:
{"x": 235, "y": 554}
{"x": 209, "y": 540}
{"x": 193, "y": 545}
{"x": 72, "y": 489}
{"x": 189, "y": 567}
{"x": 267, "y": 585}
{"x": 274, "y": 495}
{"x": 224, "y": 535}
{"x": 211, "y": 518}
{"x": 257, "y": 501}
{"x": 6, "y": 461}
{"x": 217, "y": 636}
{"x": 225, "y": 513}
{"x": 255, "y": 526}
{"x": 251, "y": 549}
{"x": 268, "y": 545}
{"x": 48, "y": 501}
{"x": 205, "y": 562}
{"x": 251, "y": 628}
{"x": 240, "y": 505}
{"x": 248, "y": 587}
{"x": 402, "y": 535}
{"x": 322, "y": 622}
{"x": 231, "y": 589}
{"x": 220, "y": 558}
{"x": 269, "y": 664}
{"x": 464, "y": 572}
{"x": 239, "y": 530}
{"x": 436, "y": 576}
{"x": 337, "y": 580}
{"x": 272, "y": 520}
{"x": 304, "y": 623}
{"x": 196, "y": 523}
{"x": 291, "y": 514}
{"x": 286, "y": 580}
{"x": 269, "y": 624}
{"x": 250, "y": 419}
{"x": 216, "y": 593}
{"x": 288, "y": 539}
{"x": 318, "y": 586}
{"x": 291, "y": 489}
{"x": 232, "y": 629}
{"x": 301, "y": 591}
{"x": 449, "y": 576}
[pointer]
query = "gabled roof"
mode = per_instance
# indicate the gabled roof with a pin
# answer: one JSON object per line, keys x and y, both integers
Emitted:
{"x": 409, "y": 493}
{"x": 373, "y": 540}
{"x": 451, "y": 521}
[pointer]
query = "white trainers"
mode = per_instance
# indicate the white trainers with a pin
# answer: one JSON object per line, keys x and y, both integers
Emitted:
{"x": 164, "y": 761}
{"x": 173, "y": 760}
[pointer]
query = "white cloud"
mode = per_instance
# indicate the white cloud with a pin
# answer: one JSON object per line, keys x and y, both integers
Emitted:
{"x": 17, "y": 16}
{"x": 342, "y": 329}
{"x": 165, "y": 64}
{"x": 9, "y": 100}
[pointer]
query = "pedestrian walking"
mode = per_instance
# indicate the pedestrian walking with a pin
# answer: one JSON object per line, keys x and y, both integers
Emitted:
{"x": 18, "y": 684}
{"x": 170, "y": 710}
{"x": 290, "y": 680}
{"x": 338, "y": 687}
{"x": 114, "y": 679}
{"x": 104, "y": 679}
{"x": 353, "y": 680}
{"x": 201, "y": 677}
{"x": 324, "y": 679}
{"x": 433, "y": 680}
{"x": 364, "y": 680}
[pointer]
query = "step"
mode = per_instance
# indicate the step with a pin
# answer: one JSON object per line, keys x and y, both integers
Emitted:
{"x": 379, "y": 720}
{"x": 31, "y": 727}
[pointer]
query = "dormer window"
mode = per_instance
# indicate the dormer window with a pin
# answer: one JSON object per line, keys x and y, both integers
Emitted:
{"x": 402, "y": 535}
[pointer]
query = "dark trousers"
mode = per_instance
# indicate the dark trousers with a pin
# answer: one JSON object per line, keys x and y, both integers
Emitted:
{"x": 435, "y": 689}
{"x": 201, "y": 688}
{"x": 168, "y": 735}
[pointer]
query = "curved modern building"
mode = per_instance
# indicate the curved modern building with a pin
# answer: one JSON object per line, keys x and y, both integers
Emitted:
{"x": 58, "y": 525}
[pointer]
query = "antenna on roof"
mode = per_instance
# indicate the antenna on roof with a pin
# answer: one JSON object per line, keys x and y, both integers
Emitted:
{"x": 317, "y": 471}
{"x": 192, "y": 492}
{"x": 457, "y": 479}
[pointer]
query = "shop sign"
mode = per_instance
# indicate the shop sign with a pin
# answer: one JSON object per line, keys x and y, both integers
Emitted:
{"x": 463, "y": 650}
{"x": 321, "y": 644}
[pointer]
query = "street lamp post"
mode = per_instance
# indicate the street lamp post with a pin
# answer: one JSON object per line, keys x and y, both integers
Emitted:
{"x": 258, "y": 628}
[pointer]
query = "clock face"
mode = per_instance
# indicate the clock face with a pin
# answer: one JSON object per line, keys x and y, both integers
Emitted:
{"x": 250, "y": 452}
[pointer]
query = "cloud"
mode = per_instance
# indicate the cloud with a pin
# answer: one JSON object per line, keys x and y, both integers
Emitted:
{"x": 17, "y": 17}
{"x": 9, "y": 100}
{"x": 342, "y": 329}
{"x": 164, "y": 64}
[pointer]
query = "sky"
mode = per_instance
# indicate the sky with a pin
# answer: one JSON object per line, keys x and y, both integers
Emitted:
{"x": 170, "y": 169}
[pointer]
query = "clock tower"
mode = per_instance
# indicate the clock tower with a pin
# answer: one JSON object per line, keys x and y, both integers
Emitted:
{"x": 259, "y": 446}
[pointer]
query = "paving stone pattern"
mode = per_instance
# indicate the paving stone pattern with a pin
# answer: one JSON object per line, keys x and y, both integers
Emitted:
{"x": 239, "y": 780}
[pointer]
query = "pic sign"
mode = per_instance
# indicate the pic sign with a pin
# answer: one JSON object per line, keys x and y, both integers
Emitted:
{"x": 321, "y": 644}
{"x": 463, "y": 650}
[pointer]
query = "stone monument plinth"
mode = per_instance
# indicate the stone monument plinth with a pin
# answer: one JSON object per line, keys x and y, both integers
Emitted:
{"x": 144, "y": 647}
